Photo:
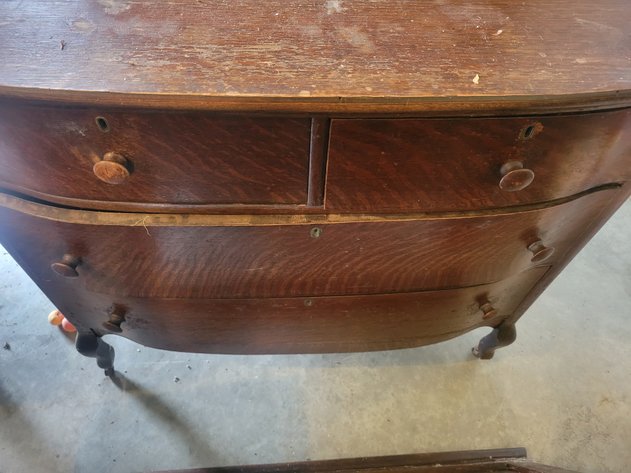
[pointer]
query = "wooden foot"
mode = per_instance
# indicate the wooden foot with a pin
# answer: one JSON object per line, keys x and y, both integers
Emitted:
{"x": 500, "y": 337}
{"x": 88, "y": 344}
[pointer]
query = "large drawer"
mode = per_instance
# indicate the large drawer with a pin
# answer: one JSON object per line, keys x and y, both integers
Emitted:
{"x": 206, "y": 256}
{"x": 297, "y": 325}
{"x": 98, "y": 157}
{"x": 428, "y": 165}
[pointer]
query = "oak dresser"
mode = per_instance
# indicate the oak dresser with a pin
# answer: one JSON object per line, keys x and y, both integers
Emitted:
{"x": 307, "y": 176}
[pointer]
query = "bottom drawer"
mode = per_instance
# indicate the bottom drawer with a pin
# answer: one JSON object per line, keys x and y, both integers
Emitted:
{"x": 304, "y": 325}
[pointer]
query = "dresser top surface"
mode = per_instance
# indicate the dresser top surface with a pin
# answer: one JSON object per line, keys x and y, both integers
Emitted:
{"x": 324, "y": 51}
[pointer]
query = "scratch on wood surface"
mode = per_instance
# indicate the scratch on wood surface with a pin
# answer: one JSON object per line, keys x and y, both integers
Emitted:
{"x": 114, "y": 7}
{"x": 70, "y": 127}
{"x": 476, "y": 79}
{"x": 595, "y": 24}
{"x": 357, "y": 38}
{"x": 142, "y": 222}
{"x": 334, "y": 6}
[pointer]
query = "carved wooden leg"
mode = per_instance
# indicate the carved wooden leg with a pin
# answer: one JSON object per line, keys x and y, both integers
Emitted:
{"x": 500, "y": 337}
{"x": 88, "y": 344}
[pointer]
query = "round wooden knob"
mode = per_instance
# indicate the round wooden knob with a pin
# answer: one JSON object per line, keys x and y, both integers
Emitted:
{"x": 515, "y": 177}
{"x": 540, "y": 252}
{"x": 487, "y": 310}
{"x": 67, "y": 267}
{"x": 113, "y": 169}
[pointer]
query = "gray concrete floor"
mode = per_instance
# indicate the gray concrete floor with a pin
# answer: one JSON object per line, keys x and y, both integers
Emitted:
{"x": 563, "y": 390}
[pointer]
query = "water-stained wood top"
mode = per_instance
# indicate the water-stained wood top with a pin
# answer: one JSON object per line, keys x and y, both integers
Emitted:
{"x": 318, "y": 51}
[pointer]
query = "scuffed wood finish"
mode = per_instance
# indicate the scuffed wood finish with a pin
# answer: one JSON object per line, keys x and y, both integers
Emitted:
{"x": 455, "y": 164}
{"x": 285, "y": 325}
{"x": 251, "y": 261}
{"x": 225, "y": 53}
{"x": 282, "y": 324}
{"x": 264, "y": 216}
{"x": 329, "y": 324}
{"x": 168, "y": 158}
{"x": 307, "y": 176}
{"x": 507, "y": 460}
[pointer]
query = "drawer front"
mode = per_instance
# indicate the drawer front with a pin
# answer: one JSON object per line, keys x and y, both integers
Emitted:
{"x": 430, "y": 165}
{"x": 153, "y": 157}
{"x": 297, "y": 325}
{"x": 136, "y": 258}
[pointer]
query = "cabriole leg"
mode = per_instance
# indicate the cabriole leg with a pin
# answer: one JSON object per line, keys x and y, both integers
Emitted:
{"x": 88, "y": 344}
{"x": 500, "y": 337}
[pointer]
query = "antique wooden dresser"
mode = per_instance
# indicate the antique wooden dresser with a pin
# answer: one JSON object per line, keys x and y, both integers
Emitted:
{"x": 307, "y": 176}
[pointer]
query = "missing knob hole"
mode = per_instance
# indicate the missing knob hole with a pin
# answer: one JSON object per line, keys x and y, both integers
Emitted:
{"x": 102, "y": 123}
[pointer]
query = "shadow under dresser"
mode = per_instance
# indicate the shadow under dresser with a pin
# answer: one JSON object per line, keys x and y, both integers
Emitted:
{"x": 319, "y": 188}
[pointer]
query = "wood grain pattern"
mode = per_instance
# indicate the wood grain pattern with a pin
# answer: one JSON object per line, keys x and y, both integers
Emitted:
{"x": 340, "y": 107}
{"x": 454, "y": 164}
{"x": 601, "y": 215}
{"x": 265, "y": 216}
{"x": 318, "y": 155}
{"x": 251, "y": 261}
{"x": 304, "y": 324}
{"x": 237, "y": 223}
{"x": 333, "y": 50}
{"x": 508, "y": 460}
{"x": 284, "y": 325}
{"x": 175, "y": 158}
{"x": 329, "y": 324}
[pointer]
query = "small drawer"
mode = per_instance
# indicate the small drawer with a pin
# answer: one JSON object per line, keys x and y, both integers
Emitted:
{"x": 434, "y": 165}
{"x": 81, "y": 157}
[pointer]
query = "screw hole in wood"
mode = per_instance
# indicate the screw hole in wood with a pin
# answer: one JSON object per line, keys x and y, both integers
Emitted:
{"x": 316, "y": 232}
{"x": 103, "y": 125}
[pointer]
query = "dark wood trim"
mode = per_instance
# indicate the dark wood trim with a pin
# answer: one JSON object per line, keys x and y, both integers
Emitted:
{"x": 365, "y": 463}
{"x": 317, "y": 160}
{"x": 478, "y": 461}
{"x": 151, "y": 207}
{"x": 461, "y": 106}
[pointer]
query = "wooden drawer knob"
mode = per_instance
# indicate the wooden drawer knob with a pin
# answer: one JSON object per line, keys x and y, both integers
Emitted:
{"x": 515, "y": 177}
{"x": 488, "y": 310}
{"x": 67, "y": 267}
{"x": 540, "y": 252}
{"x": 113, "y": 169}
{"x": 117, "y": 317}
